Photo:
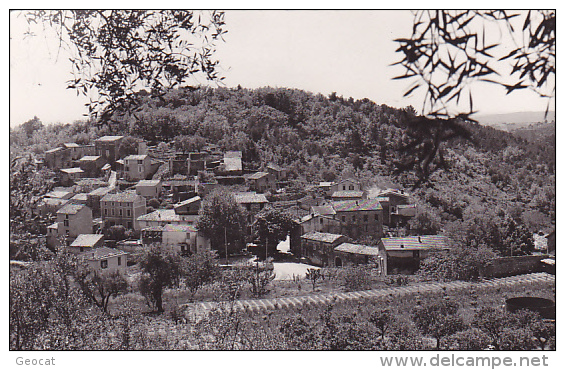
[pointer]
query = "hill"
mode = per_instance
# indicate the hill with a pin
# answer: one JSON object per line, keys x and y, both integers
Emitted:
{"x": 511, "y": 121}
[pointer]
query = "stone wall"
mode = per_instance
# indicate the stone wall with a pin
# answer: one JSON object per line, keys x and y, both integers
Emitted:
{"x": 508, "y": 266}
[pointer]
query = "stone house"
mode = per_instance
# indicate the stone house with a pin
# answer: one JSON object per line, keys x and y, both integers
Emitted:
{"x": 58, "y": 158}
{"x": 91, "y": 165}
{"x": 86, "y": 243}
{"x": 318, "y": 247}
{"x": 262, "y": 182}
{"x": 405, "y": 253}
{"x": 122, "y": 209}
{"x": 252, "y": 202}
{"x": 73, "y": 220}
{"x": 108, "y": 147}
{"x": 70, "y": 175}
{"x": 149, "y": 188}
{"x": 349, "y": 254}
{"x": 279, "y": 172}
{"x": 93, "y": 198}
{"x": 162, "y": 217}
{"x": 137, "y": 167}
{"x": 362, "y": 217}
{"x": 106, "y": 259}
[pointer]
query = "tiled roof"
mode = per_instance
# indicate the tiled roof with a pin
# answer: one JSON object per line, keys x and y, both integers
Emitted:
{"x": 148, "y": 183}
{"x": 258, "y": 175}
{"x": 232, "y": 164}
{"x": 321, "y": 237}
{"x": 417, "y": 242}
{"x": 347, "y": 194}
{"x": 71, "y": 145}
{"x": 101, "y": 191}
{"x": 396, "y": 192}
{"x": 181, "y": 228}
{"x": 250, "y": 197}
{"x": 71, "y": 209}
{"x": 89, "y": 158}
{"x": 357, "y": 205}
{"x": 102, "y": 253}
{"x": 72, "y": 170}
{"x": 120, "y": 197}
{"x": 55, "y": 201}
{"x": 54, "y": 150}
{"x": 323, "y": 210}
{"x": 358, "y": 249}
{"x": 275, "y": 167}
{"x": 80, "y": 196}
{"x": 136, "y": 157}
{"x": 87, "y": 240}
{"x": 109, "y": 138}
{"x": 188, "y": 201}
{"x": 165, "y": 215}
{"x": 57, "y": 194}
{"x": 325, "y": 184}
{"x": 348, "y": 180}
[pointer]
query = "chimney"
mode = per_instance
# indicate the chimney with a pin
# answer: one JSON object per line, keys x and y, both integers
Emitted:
{"x": 419, "y": 240}
{"x": 401, "y": 245}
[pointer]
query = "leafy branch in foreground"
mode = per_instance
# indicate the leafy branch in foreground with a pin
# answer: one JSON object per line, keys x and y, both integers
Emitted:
{"x": 115, "y": 53}
{"x": 450, "y": 49}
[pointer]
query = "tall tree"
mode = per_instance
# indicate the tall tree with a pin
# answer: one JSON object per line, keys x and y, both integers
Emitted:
{"x": 272, "y": 226}
{"x": 160, "y": 270}
{"x": 223, "y": 221}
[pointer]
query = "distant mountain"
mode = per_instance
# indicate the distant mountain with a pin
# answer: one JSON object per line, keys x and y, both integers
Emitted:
{"x": 510, "y": 121}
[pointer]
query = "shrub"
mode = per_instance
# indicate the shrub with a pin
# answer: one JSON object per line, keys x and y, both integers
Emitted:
{"x": 356, "y": 278}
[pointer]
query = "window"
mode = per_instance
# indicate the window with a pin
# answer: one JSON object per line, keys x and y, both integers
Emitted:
{"x": 104, "y": 264}
{"x": 120, "y": 211}
{"x": 105, "y": 211}
{"x": 343, "y": 218}
{"x": 82, "y": 249}
{"x": 343, "y": 187}
{"x": 119, "y": 260}
{"x": 66, "y": 223}
{"x": 139, "y": 161}
{"x": 128, "y": 212}
{"x": 321, "y": 220}
{"x": 112, "y": 211}
{"x": 353, "y": 218}
{"x": 351, "y": 187}
{"x": 376, "y": 217}
{"x": 366, "y": 218}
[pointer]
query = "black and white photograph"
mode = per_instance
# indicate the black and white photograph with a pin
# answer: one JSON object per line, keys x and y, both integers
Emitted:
{"x": 290, "y": 181}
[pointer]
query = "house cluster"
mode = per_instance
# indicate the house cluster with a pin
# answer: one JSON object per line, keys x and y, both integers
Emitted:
{"x": 156, "y": 194}
{"x": 345, "y": 212}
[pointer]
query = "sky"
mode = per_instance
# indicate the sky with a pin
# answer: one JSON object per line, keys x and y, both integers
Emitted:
{"x": 348, "y": 52}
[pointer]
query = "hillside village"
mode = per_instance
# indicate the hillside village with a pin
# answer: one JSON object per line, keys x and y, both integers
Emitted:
{"x": 246, "y": 227}
{"x": 101, "y": 187}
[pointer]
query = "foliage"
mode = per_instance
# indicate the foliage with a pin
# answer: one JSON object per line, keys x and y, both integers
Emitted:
{"x": 116, "y": 232}
{"x": 223, "y": 221}
{"x": 272, "y": 226}
{"x": 114, "y": 52}
{"x": 459, "y": 263}
{"x": 189, "y": 143}
{"x": 200, "y": 269}
{"x": 471, "y": 339}
{"x": 99, "y": 287}
{"x": 160, "y": 270}
{"x": 356, "y": 278}
{"x": 382, "y": 319}
{"x": 448, "y": 50}
{"x": 438, "y": 319}
{"x": 259, "y": 281}
{"x": 516, "y": 339}
{"x": 313, "y": 275}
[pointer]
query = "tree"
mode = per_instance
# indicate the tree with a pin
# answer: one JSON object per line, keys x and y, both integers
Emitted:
{"x": 223, "y": 221}
{"x": 313, "y": 275}
{"x": 128, "y": 146}
{"x": 438, "y": 319}
{"x": 382, "y": 319}
{"x": 199, "y": 269}
{"x": 459, "y": 263}
{"x": 159, "y": 270}
{"x": 31, "y": 126}
{"x": 189, "y": 143}
{"x": 99, "y": 287}
{"x": 272, "y": 226}
{"x": 116, "y": 52}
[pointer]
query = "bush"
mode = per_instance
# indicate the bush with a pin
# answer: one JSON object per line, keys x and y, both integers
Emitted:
{"x": 459, "y": 263}
{"x": 472, "y": 339}
{"x": 356, "y": 278}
